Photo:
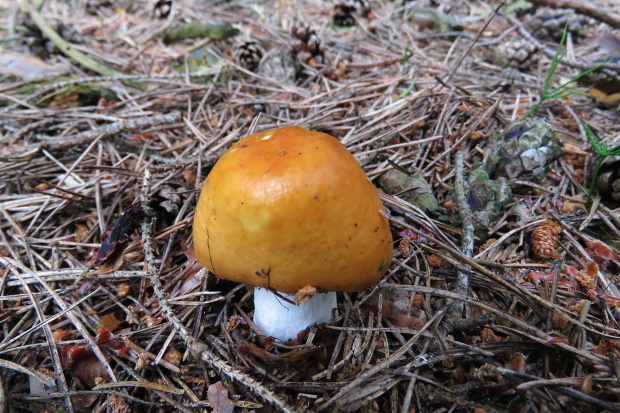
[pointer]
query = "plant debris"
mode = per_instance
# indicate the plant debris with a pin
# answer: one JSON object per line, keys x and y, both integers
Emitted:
{"x": 498, "y": 173}
{"x": 117, "y": 236}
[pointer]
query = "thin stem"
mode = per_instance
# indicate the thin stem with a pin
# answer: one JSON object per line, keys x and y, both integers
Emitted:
{"x": 597, "y": 169}
{"x": 563, "y": 90}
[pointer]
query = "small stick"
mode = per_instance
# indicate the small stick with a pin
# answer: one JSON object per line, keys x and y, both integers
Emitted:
{"x": 467, "y": 235}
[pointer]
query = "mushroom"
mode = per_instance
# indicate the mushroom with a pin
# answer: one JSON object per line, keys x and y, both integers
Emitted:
{"x": 292, "y": 213}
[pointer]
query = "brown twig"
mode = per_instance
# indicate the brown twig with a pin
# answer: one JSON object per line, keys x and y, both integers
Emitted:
{"x": 585, "y": 8}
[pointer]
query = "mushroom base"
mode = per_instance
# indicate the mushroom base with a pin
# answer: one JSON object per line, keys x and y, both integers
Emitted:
{"x": 283, "y": 320}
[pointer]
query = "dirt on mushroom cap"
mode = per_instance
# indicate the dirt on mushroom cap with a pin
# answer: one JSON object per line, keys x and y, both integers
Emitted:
{"x": 289, "y": 208}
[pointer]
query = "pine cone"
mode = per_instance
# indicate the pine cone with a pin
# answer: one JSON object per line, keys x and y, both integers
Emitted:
{"x": 343, "y": 15}
{"x": 95, "y": 7}
{"x": 517, "y": 53}
{"x": 307, "y": 46}
{"x": 162, "y": 9}
{"x": 608, "y": 180}
{"x": 248, "y": 55}
{"x": 344, "y": 12}
{"x": 549, "y": 24}
{"x": 544, "y": 239}
{"x": 526, "y": 150}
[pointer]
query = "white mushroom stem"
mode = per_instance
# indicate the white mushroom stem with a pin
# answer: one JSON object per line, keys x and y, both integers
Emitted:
{"x": 280, "y": 319}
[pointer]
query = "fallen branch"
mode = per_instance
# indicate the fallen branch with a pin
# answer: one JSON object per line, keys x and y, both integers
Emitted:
{"x": 86, "y": 137}
{"x": 113, "y": 128}
{"x": 585, "y": 8}
{"x": 467, "y": 234}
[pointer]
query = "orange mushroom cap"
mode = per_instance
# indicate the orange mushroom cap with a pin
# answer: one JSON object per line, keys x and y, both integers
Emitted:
{"x": 291, "y": 208}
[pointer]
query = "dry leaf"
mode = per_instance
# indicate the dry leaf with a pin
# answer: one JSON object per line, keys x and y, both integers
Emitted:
{"x": 195, "y": 275}
{"x": 606, "y": 346}
{"x": 142, "y": 361}
{"x": 150, "y": 321}
{"x": 233, "y": 322}
{"x": 489, "y": 336}
{"x": 218, "y": 398}
{"x": 401, "y": 307}
{"x": 108, "y": 267}
{"x": 487, "y": 244}
{"x": 81, "y": 232}
{"x": 116, "y": 237}
{"x": 404, "y": 247}
{"x": 109, "y": 322}
{"x": 72, "y": 353}
{"x": 561, "y": 323}
{"x": 28, "y": 67}
{"x": 518, "y": 363}
{"x": 540, "y": 276}
{"x": 118, "y": 404}
{"x": 569, "y": 207}
{"x": 570, "y": 271}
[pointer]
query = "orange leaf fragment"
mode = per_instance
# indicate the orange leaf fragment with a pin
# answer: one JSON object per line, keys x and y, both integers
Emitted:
{"x": 570, "y": 271}
{"x": 109, "y": 322}
{"x": 541, "y": 276}
{"x": 603, "y": 251}
{"x": 567, "y": 285}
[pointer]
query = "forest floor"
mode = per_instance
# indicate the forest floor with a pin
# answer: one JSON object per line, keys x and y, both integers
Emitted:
{"x": 502, "y": 295}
